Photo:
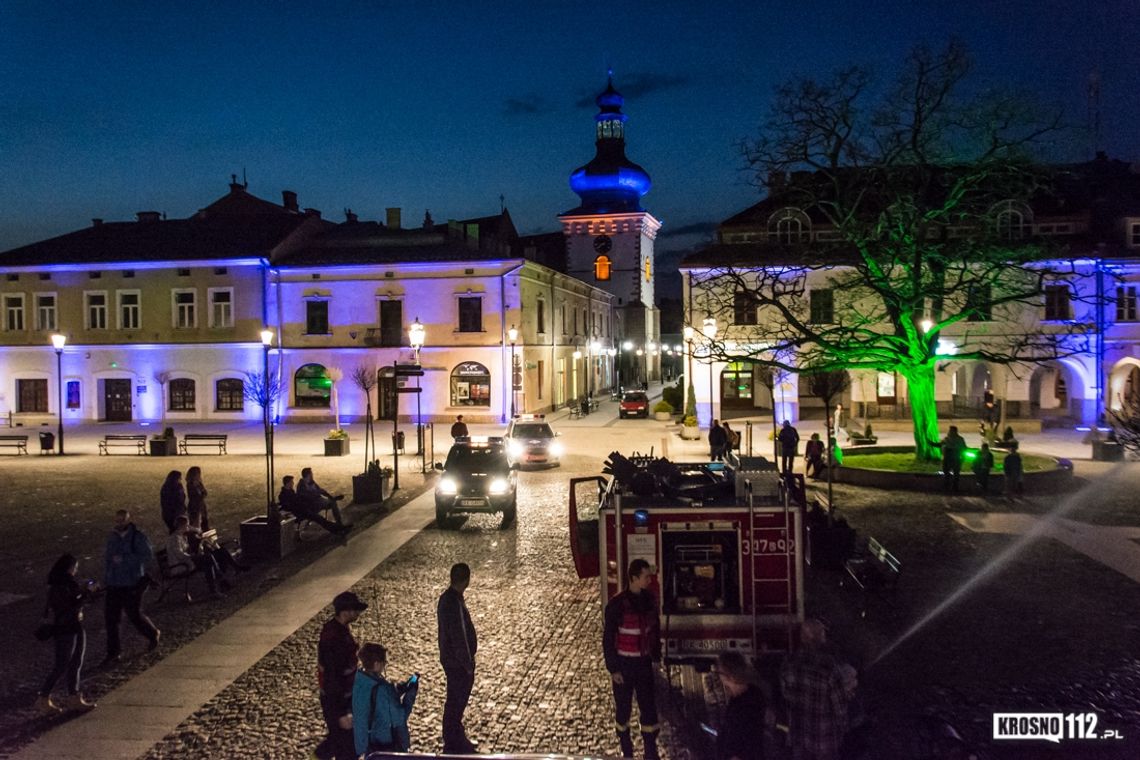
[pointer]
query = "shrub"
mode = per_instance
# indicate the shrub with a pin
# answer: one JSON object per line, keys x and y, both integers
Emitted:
{"x": 691, "y": 404}
{"x": 663, "y": 406}
{"x": 690, "y": 421}
{"x": 673, "y": 395}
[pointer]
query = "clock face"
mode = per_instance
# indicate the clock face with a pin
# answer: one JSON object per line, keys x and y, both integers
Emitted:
{"x": 602, "y": 244}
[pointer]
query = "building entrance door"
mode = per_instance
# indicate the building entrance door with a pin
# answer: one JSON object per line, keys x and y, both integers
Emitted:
{"x": 117, "y": 400}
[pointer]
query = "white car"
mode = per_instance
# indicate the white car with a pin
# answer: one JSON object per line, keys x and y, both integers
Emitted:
{"x": 530, "y": 441}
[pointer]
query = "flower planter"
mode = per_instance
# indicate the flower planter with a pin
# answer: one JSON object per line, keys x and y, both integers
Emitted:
{"x": 370, "y": 488}
{"x": 663, "y": 416}
{"x": 690, "y": 432}
{"x": 262, "y": 540}
{"x": 336, "y": 447}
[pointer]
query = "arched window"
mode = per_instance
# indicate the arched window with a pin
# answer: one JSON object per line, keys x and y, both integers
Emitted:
{"x": 470, "y": 385}
{"x": 229, "y": 395}
{"x": 312, "y": 386}
{"x": 602, "y": 267}
{"x": 1013, "y": 220}
{"x": 182, "y": 395}
{"x": 789, "y": 225}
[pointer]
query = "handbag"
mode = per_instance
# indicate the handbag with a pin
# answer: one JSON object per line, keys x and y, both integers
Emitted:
{"x": 44, "y": 631}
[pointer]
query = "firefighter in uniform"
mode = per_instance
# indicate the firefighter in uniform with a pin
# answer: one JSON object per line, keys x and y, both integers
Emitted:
{"x": 632, "y": 644}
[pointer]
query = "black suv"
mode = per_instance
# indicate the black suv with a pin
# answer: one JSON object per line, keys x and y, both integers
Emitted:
{"x": 477, "y": 477}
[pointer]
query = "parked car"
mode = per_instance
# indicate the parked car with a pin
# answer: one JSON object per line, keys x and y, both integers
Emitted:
{"x": 634, "y": 404}
{"x": 530, "y": 440}
{"x": 478, "y": 476}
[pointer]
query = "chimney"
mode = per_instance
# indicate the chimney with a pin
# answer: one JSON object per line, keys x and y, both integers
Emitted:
{"x": 313, "y": 212}
{"x": 148, "y": 216}
{"x": 235, "y": 186}
{"x": 96, "y": 222}
{"x": 393, "y": 218}
{"x": 349, "y": 216}
{"x": 289, "y": 201}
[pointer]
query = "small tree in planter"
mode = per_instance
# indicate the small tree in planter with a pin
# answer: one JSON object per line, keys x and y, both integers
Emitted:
{"x": 264, "y": 392}
{"x": 689, "y": 429}
{"x": 663, "y": 411}
{"x": 364, "y": 378}
{"x": 828, "y": 387}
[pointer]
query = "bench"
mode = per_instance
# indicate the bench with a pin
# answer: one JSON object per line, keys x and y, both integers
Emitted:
{"x": 873, "y": 569}
{"x": 137, "y": 441}
{"x": 575, "y": 411}
{"x": 20, "y": 442}
{"x": 170, "y": 576}
{"x": 203, "y": 439}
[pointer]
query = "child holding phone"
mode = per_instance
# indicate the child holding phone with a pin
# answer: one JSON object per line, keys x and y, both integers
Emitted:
{"x": 380, "y": 707}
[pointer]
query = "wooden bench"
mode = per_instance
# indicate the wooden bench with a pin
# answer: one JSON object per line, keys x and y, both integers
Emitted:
{"x": 203, "y": 439}
{"x": 873, "y": 569}
{"x": 137, "y": 441}
{"x": 19, "y": 442}
{"x": 172, "y": 575}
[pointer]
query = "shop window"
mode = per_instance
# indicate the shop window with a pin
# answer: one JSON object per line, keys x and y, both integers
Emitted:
{"x": 33, "y": 396}
{"x": 72, "y": 394}
{"x": 312, "y": 387}
{"x": 470, "y": 385}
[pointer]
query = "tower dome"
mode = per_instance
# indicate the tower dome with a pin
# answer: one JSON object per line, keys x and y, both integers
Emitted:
{"x": 610, "y": 182}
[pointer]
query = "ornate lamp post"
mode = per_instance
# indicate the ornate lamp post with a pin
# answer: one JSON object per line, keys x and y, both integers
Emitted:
{"x": 613, "y": 369}
{"x": 708, "y": 329}
{"x": 416, "y": 339}
{"x": 513, "y": 336}
{"x": 687, "y": 333}
{"x": 267, "y": 422}
{"x": 59, "y": 341}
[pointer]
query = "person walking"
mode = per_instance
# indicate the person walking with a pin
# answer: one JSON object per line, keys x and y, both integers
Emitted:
{"x": 1013, "y": 471}
{"x": 459, "y": 429}
{"x": 813, "y": 456}
{"x": 983, "y": 464}
{"x": 124, "y": 576}
{"x": 816, "y": 692}
{"x": 457, "y": 647}
{"x": 789, "y": 439}
{"x": 380, "y": 708}
{"x": 336, "y": 671}
{"x": 953, "y": 447}
{"x": 631, "y": 644}
{"x": 717, "y": 441}
{"x": 65, "y": 601}
{"x": 741, "y": 735}
{"x": 172, "y": 498}
{"x": 196, "y": 500}
{"x": 731, "y": 438}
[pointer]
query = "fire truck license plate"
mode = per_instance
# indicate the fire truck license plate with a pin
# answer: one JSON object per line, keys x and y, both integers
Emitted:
{"x": 702, "y": 645}
{"x": 471, "y": 502}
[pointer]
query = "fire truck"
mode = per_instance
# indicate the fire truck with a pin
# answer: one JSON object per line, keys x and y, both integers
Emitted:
{"x": 725, "y": 540}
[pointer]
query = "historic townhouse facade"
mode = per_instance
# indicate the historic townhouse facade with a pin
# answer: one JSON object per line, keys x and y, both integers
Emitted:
{"x": 1094, "y": 223}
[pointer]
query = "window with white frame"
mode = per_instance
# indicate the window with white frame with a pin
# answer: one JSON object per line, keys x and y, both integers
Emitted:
{"x": 221, "y": 307}
{"x": 183, "y": 395}
{"x": 45, "y": 311}
{"x": 184, "y": 308}
{"x": 95, "y": 309}
{"x": 1126, "y": 303}
{"x": 1057, "y": 302}
{"x": 788, "y": 226}
{"x": 14, "y": 311}
{"x": 129, "y": 309}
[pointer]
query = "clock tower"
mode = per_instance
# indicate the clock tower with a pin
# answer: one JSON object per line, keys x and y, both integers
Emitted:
{"x": 609, "y": 236}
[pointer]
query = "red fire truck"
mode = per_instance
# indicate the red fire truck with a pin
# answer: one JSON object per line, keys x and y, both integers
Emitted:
{"x": 725, "y": 542}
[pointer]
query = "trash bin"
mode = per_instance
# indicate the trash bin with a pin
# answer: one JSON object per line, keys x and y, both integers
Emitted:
{"x": 47, "y": 442}
{"x": 398, "y": 441}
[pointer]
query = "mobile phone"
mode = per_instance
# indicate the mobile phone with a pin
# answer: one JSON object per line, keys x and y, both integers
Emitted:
{"x": 415, "y": 677}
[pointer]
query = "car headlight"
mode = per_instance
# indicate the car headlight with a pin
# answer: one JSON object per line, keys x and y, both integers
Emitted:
{"x": 498, "y": 486}
{"x": 448, "y": 487}
{"x": 556, "y": 449}
{"x": 516, "y": 448}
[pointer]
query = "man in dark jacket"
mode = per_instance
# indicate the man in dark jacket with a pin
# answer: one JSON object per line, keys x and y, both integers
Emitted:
{"x": 459, "y": 429}
{"x": 717, "y": 441}
{"x": 336, "y": 671}
{"x": 631, "y": 643}
{"x": 124, "y": 576}
{"x": 953, "y": 448}
{"x": 741, "y": 735}
{"x": 457, "y": 647}
{"x": 789, "y": 439}
{"x": 290, "y": 502}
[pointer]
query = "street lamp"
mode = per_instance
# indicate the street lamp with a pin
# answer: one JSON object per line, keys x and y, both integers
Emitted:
{"x": 612, "y": 352}
{"x": 594, "y": 347}
{"x": 416, "y": 339}
{"x": 266, "y": 342}
{"x": 708, "y": 328}
{"x": 577, "y": 357}
{"x": 687, "y": 333}
{"x": 59, "y": 341}
{"x": 513, "y": 336}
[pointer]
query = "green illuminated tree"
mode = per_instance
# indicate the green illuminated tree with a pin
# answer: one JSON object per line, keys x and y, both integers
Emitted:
{"x": 923, "y": 187}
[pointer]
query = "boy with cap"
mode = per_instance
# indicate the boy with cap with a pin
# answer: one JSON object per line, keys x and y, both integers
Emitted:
{"x": 336, "y": 670}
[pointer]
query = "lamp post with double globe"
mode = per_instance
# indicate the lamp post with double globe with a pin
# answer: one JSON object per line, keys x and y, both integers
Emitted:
{"x": 613, "y": 369}
{"x": 513, "y": 336}
{"x": 59, "y": 341}
{"x": 267, "y": 420}
{"x": 708, "y": 328}
{"x": 416, "y": 339}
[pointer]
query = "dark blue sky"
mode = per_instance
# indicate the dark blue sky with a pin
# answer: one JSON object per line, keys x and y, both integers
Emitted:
{"x": 115, "y": 107}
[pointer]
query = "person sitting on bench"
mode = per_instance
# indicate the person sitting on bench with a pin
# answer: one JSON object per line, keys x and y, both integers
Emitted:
{"x": 180, "y": 557}
{"x": 290, "y": 501}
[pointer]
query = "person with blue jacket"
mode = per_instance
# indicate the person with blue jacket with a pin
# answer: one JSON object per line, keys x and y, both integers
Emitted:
{"x": 380, "y": 708}
{"x": 124, "y": 576}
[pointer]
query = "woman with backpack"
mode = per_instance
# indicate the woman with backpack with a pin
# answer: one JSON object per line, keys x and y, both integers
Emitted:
{"x": 65, "y": 601}
{"x": 380, "y": 708}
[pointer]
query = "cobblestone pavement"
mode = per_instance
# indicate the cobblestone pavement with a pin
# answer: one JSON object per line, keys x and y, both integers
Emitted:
{"x": 540, "y": 686}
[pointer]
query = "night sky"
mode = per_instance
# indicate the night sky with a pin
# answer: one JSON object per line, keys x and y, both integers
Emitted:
{"x": 113, "y": 107}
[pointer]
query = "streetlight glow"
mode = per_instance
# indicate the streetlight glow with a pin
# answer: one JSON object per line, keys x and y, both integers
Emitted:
{"x": 513, "y": 334}
{"x": 627, "y": 346}
{"x": 577, "y": 355}
{"x": 59, "y": 341}
{"x": 926, "y": 324}
{"x": 416, "y": 335}
{"x": 708, "y": 328}
{"x": 267, "y": 337}
{"x": 688, "y": 333}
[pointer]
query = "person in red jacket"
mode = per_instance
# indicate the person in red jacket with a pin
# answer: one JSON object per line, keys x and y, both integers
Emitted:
{"x": 631, "y": 643}
{"x": 336, "y": 671}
